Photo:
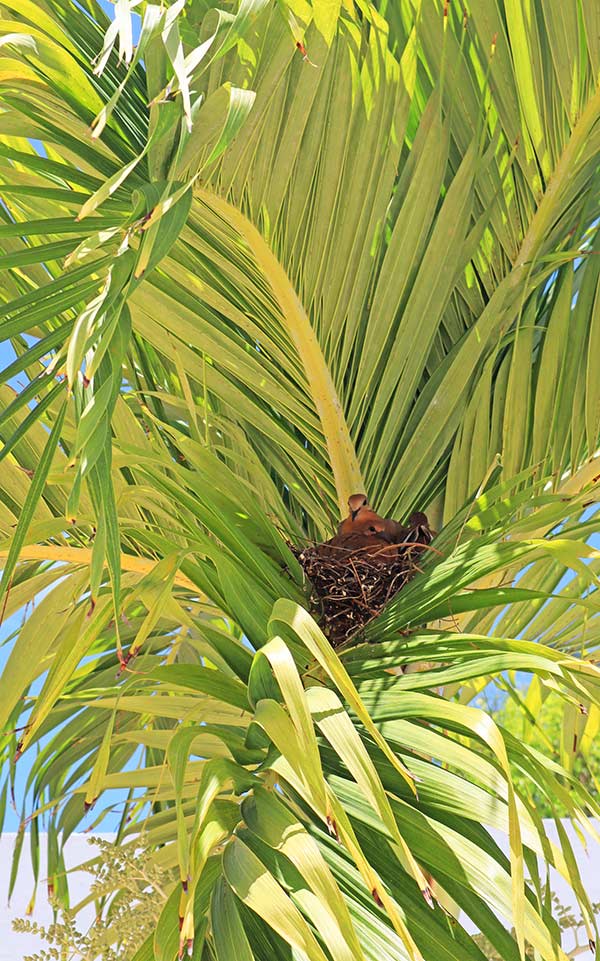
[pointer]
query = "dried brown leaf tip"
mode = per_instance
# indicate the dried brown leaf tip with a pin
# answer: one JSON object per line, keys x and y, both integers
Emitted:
{"x": 428, "y": 895}
{"x": 304, "y": 53}
{"x": 332, "y": 827}
{"x": 376, "y": 897}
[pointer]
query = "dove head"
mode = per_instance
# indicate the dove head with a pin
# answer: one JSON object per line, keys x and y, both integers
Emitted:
{"x": 356, "y": 502}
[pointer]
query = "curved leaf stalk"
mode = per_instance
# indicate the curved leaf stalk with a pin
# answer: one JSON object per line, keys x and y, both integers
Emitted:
{"x": 342, "y": 454}
{"x": 83, "y": 555}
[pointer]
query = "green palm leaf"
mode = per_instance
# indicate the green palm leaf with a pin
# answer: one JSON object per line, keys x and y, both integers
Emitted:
{"x": 260, "y": 285}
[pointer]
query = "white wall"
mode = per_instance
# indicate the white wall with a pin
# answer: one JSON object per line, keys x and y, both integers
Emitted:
{"x": 14, "y": 946}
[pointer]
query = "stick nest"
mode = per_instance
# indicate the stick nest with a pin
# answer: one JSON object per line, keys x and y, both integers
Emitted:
{"x": 350, "y": 587}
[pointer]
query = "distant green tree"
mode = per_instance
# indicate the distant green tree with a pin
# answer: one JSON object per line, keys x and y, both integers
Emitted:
{"x": 574, "y": 938}
{"x": 545, "y": 732}
{"x": 124, "y": 919}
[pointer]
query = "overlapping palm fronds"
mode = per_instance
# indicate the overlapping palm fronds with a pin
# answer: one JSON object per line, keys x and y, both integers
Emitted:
{"x": 307, "y": 250}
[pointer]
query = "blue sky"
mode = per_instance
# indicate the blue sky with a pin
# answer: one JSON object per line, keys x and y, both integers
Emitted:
{"x": 6, "y": 356}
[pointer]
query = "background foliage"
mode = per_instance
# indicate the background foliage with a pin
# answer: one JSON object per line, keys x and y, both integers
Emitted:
{"x": 274, "y": 254}
{"x": 545, "y": 732}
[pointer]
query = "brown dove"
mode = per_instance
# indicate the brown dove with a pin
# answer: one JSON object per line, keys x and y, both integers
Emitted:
{"x": 363, "y": 519}
{"x": 419, "y": 530}
{"x": 359, "y": 543}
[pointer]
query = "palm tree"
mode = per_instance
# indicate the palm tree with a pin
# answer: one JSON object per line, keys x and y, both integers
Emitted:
{"x": 306, "y": 251}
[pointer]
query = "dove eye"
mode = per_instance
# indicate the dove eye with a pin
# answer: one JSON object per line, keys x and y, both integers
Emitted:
{"x": 374, "y": 529}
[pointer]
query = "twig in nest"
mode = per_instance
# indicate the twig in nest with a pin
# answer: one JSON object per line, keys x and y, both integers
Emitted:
{"x": 350, "y": 587}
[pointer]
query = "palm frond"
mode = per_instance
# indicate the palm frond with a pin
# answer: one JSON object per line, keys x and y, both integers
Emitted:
{"x": 260, "y": 285}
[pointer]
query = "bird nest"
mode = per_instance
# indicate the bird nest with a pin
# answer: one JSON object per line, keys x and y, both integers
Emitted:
{"x": 351, "y": 586}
